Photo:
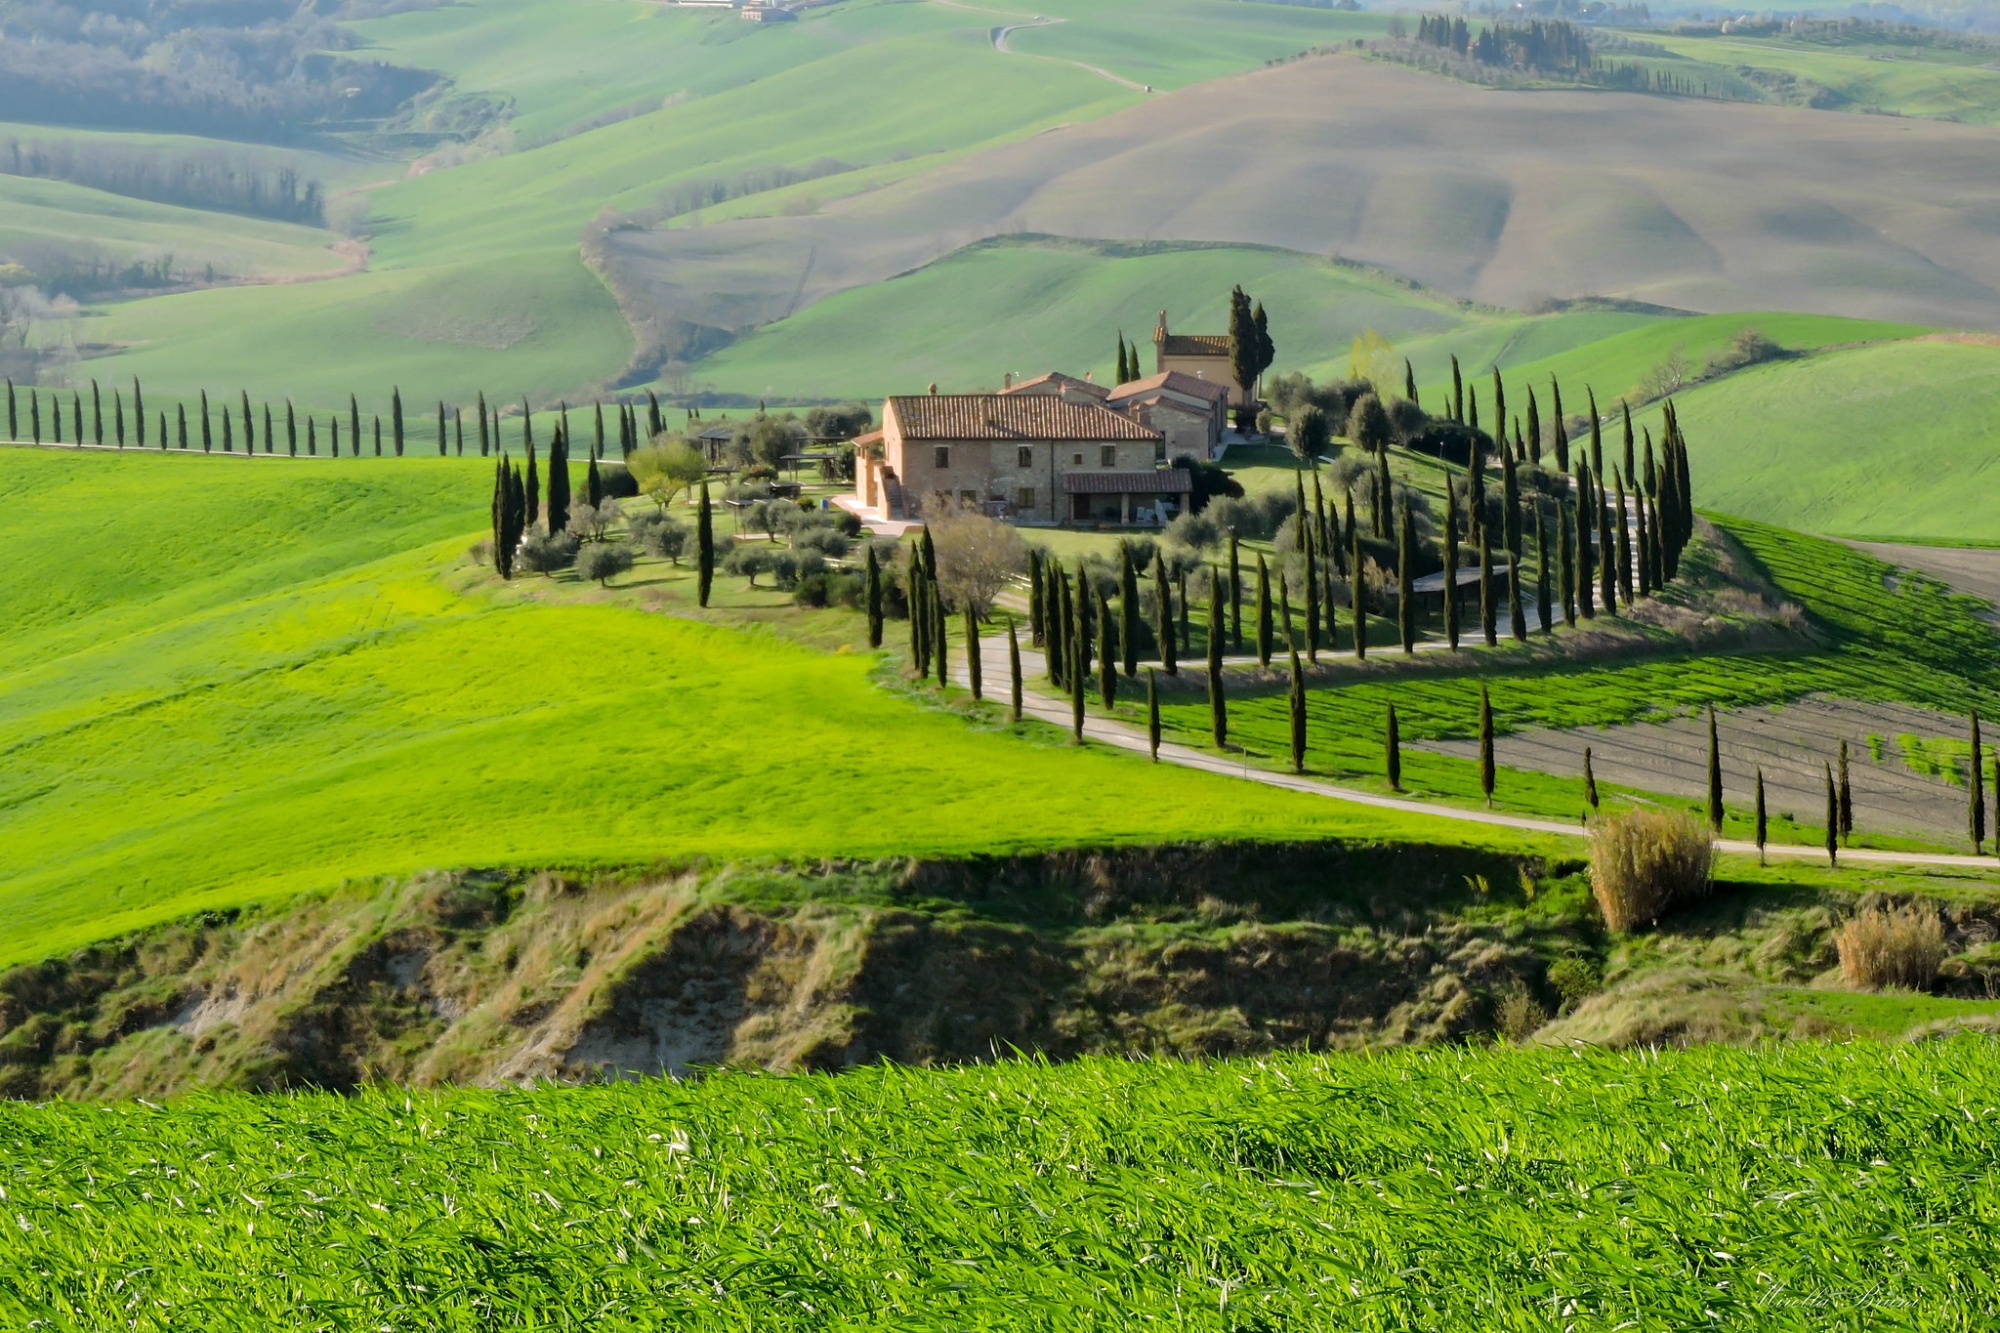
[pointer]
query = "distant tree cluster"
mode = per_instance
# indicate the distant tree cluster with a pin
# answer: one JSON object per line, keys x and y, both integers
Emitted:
{"x": 214, "y": 179}
{"x": 1553, "y": 47}
{"x": 246, "y": 69}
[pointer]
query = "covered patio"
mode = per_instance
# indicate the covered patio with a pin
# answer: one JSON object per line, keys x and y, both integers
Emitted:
{"x": 1127, "y": 499}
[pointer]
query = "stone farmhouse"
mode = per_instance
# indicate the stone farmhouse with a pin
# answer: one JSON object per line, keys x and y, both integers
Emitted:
{"x": 1202, "y": 356}
{"x": 1046, "y": 451}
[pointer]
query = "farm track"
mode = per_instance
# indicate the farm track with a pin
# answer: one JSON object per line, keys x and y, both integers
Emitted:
{"x": 994, "y": 668}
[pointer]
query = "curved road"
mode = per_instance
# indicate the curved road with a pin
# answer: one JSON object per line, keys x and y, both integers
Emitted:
{"x": 994, "y": 668}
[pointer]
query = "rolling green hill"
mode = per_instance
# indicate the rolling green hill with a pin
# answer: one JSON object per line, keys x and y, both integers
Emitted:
{"x": 237, "y": 680}
{"x": 1894, "y": 439}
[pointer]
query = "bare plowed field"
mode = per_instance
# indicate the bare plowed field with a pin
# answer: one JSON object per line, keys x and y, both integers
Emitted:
{"x": 1496, "y": 196}
{"x": 1974, "y": 571}
{"x": 1893, "y": 792}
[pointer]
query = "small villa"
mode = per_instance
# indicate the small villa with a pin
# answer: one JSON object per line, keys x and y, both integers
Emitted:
{"x": 1046, "y": 451}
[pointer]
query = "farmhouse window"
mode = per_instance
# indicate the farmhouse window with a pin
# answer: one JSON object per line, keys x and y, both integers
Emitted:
{"x": 970, "y": 499}
{"x": 941, "y": 457}
{"x": 1024, "y": 499}
{"x": 1025, "y": 456}
{"x": 1079, "y": 460}
{"x": 1107, "y": 455}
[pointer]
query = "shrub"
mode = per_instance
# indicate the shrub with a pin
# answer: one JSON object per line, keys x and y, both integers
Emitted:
{"x": 1519, "y": 1013}
{"x": 1645, "y": 863}
{"x": 748, "y": 560}
{"x": 617, "y": 481}
{"x": 1883, "y": 947}
{"x": 1576, "y": 979}
{"x": 658, "y": 533}
{"x": 1253, "y": 518}
{"x": 830, "y": 588}
{"x": 589, "y": 525}
{"x": 542, "y": 553}
{"x": 603, "y": 560}
{"x": 827, "y": 541}
{"x": 1197, "y": 532}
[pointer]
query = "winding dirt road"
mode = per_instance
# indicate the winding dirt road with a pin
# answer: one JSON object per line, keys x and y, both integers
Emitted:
{"x": 1104, "y": 731}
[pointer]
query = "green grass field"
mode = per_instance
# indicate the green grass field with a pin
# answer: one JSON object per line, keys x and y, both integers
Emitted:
{"x": 237, "y": 680}
{"x": 1756, "y": 1188}
{"x": 1901, "y": 78}
{"x": 1895, "y": 439}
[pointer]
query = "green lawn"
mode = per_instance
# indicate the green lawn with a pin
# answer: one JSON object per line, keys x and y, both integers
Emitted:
{"x": 235, "y": 680}
{"x": 1451, "y": 1190}
{"x": 1902, "y": 78}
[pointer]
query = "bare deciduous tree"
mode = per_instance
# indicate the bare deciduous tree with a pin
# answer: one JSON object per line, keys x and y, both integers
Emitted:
{"x": 977, "y": 556}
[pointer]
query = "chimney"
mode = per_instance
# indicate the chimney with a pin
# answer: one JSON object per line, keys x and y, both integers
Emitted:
{"x": 933, "y": 387}
{"x": 1007, "y": 380}
{"x": 1089, "y": 376}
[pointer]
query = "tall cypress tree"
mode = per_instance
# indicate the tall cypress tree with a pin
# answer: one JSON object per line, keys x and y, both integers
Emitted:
{"x": 1285, "y": 608}
{"x": 1643, "y": 538}
{"x": 1263, "y": 613}
{"x": 1607, "y": 574}
{"x": 1485, "y": 744}
{"x": 558, "y": 489}
{"x": 205, "y": 437}
{"x": 1510, "y": 503}
{"x": 13, "y": 418}
{"x": 291, "y": 430}
{"x": 1406, "y": 570}
{"x": 76, "y": 416}
{"x": 312, "y": 437}
{"x": 1586, "y": 570}
{"x": 180, "y": 424}
{"x": 1296, "y": 702}
{"x": 1625, "y": 545}
{"x": 1128, "y": 609}
{"x": 1566, "y": 558}
{"x": 874, "y": 598}
{"x": 1832, "y": 821}
{"x": 1534, "y": 430}
{"x": 654, "y": 425}
{"x": 1626, "y": 409}
{"x": 333, "y": 438}
{"x": 482, "y": 423}
{"x": 1589, "y": 780}
{"x": 1561, "y": 428}
{"x": 1544, "y": 613}
{"x": 1499, "y": 410}
{"x": 96, "y": 415}
{"x": 117, "y": 416}
{"x": 1846, "y": 797}
{"x": 1975, "y": 809}
{"x": 1235, "y": 595}
{"x": 1078, "y": 667}
{"x": 1153, "y": 714}
{"x": 396, "y": 418}
{"x": 1489, "y": 610}
{"x": 498, "y": 517}
{"x": 249, "y": 427}
{"x": 1392, "y": 751}
{"x": 353, "y": 424}
{"x": 138, "y": 415}
{"x": 442, "y": 451}
{"x": 1714, "y": 775}
{"x": 226, "y": 432}
{"x": 1457, "y": 392}
{"x": 974, "y": 668}
{"x": 704, "y": 536}
{"x": 270, "y": 436}
{"x": 1163, "y": 614}
{"x": 1036, "y": 582}
{"x": 534, "y": 489}
{"x": 1013, "y": 663}
{"x": 378, "y": 436}
{"x": 1312, "y": 585}
{"x": 1218, "y": 710}
{"x": 1517, "y": 616}
{"x": 1450, "y": 565}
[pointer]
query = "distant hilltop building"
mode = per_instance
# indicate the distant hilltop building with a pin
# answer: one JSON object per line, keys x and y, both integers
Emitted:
{"x": 1202, "y": 356}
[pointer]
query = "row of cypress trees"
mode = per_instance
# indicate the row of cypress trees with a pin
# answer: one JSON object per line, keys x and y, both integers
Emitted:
{"x": 451, "y": 433}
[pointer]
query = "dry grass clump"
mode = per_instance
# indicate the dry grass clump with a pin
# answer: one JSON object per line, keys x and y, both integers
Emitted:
{"x": 1645, "y": 863}
{"x": 1898, "y": 947}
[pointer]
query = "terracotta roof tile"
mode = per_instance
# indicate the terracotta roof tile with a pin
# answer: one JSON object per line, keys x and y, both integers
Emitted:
{"x": 1173, "y": 381}
{"x": 1056, "y": 377}
{"x": 1159, "y": 481}
{"x": 1025, "y": 416}
{"x": 1194, "y": 344}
